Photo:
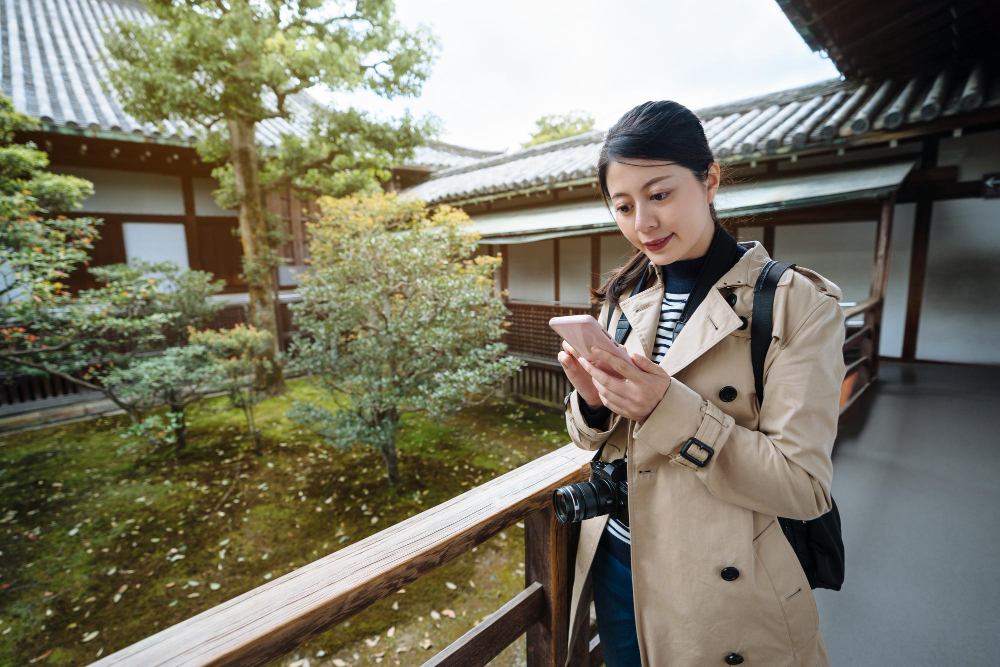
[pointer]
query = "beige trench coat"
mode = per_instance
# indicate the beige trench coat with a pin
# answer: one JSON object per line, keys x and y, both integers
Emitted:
{"x": 689, "y": 522}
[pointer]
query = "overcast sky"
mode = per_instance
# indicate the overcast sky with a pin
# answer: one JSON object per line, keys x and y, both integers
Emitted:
{"x": 501, "y": 65}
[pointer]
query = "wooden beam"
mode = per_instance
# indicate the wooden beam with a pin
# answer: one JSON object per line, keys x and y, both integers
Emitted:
{"x": 505, "y": 254}
{"x": 555, "y": 268}
{"x": 502, "y": 628}
{"x": 190, "y": 223}
{"x": 547, "y": 561}
{"x": 595, "y": 260}
{"x": 768, "y": 241}
{"x": 918, "y": 272}
{"x": 267, "y": 622}
{"x": 880, "y": 270}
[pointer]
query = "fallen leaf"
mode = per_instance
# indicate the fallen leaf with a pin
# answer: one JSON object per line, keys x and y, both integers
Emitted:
{"x": 391, "y": 631}
{"x": 448, "y": 612}
{"x": 436, "y": 616}
{"x": 90, "y": 635}
{"x": 450, "y": 585}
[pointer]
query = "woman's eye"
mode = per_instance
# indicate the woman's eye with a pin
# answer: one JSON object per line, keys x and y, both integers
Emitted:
{"x": 621, "y": 209}
{"x": 662, "y": 195}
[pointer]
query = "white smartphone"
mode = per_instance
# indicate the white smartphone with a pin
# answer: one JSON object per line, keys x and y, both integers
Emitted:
{"x": 584, "y": 332}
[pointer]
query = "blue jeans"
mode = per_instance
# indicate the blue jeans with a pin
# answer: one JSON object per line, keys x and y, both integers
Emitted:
{"x": 614, "y": 606}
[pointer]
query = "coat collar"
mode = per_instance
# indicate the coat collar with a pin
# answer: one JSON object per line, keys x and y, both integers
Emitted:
{"x": 713, "y": 320}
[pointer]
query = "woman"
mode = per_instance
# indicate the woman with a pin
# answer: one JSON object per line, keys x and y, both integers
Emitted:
{"x": 703, "y": 574}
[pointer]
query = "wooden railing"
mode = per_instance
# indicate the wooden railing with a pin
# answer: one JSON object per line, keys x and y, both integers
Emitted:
{"x": 271, "y": 620}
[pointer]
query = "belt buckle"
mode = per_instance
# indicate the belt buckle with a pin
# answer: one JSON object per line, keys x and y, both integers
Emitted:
{"x": 692, "y": 459}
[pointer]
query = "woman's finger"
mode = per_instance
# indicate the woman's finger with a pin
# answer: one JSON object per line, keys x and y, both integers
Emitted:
{"x": 570, "y": 350}
{"x": 597, "y": 374}
{"x": 625, "y": 370}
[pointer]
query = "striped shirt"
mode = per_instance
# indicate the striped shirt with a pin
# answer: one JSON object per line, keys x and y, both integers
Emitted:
{"x": 679, "y": 279}
{"x": 670, "y": 312}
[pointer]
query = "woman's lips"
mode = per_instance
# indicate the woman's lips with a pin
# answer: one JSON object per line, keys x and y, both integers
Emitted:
{"x": 659, "y": 244}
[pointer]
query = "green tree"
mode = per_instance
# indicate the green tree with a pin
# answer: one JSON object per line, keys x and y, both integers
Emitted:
{"x": 559, "y": 126}
{"x": 397, "y": 316}
{"x": 224, "y": 66}
{"x": 39, "y": 248}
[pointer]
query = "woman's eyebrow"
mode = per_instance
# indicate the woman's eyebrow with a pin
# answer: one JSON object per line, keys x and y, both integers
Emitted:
{"x": 645, "y": 185}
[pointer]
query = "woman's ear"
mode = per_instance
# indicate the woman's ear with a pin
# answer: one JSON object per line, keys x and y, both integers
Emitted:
{"x": 713, "y": 180}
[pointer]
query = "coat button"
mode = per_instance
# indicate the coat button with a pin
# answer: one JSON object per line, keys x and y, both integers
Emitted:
{"x": 744, "y": 324}
{"x": 731, "y": 299}
{"x": 727, "y": 394}
{"x": 730, "y": 573}
{"x": 734, "y": 659}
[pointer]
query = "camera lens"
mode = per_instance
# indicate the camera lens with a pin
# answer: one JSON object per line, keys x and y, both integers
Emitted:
{"x": 577, "y": 502}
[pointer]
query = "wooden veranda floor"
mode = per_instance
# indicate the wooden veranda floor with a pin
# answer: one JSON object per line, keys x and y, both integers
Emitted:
{"x": 917, "y": 483}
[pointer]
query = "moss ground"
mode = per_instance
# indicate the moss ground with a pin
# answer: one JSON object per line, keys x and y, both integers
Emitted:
{"x": 98, "y": 550}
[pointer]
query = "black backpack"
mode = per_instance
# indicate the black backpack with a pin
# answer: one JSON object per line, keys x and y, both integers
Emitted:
{"x": 818, "y": 542}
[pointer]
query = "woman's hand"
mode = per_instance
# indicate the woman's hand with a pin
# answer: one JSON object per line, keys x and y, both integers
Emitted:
{"x": 636, "y": 393}
{"x": 570, "y": 360}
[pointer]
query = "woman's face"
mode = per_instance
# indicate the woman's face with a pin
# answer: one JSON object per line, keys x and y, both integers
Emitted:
{"x": 653, "y": 201}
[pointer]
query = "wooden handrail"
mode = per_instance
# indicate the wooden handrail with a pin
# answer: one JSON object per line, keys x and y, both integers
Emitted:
{"x": 488, "y": 639}
{"x": 271, "y": 620}
{"x": 864, "y": 306}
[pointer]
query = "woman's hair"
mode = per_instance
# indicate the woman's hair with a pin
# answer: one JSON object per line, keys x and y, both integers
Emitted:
{"x": 665, "y": 131}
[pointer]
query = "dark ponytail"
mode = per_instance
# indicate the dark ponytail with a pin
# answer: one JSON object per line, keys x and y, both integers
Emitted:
{"x": 665, "y": 131}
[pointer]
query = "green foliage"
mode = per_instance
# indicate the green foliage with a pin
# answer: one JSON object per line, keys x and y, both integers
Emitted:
{"x": 209, "y": 63}
{"x": 236, "y": 355}
{"x": 560, "y": 126}
{"x": 39, "y": 246}
{"x": 397, "y": 316}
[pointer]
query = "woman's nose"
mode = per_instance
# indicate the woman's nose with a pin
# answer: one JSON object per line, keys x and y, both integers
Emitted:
{"x": 644, "y": 220}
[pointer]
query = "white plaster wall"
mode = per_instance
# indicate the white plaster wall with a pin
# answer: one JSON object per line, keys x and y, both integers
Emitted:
{"x": 574, "y": 270}
{"x": 129, "y": 192}
{"x": 960, "y": 316}
{"x": 530, "y": 271}
{"x": 204, "y": 200}
{"x": 156, "y": 242}
{"x": 845, "y": 253}
{"x": 975, "y": 154}
{"x": 615, "y": 252}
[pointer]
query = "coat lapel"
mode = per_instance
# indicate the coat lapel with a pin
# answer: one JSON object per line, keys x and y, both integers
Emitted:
{"x": 713, "y": 320}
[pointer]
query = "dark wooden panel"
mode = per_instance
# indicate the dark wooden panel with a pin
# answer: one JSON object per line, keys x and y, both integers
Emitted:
{"x": 488, "y": 639}
{"x": 546, "y": 560}
{"x": 221, "y": 253}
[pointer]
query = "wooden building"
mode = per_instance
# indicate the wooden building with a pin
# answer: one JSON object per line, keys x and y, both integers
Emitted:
{"x": 150, "y": 187}
{"x": 880, "y": 181}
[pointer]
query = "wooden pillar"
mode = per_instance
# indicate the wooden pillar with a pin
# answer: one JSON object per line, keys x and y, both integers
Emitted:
{"x": 918, "y": 256}
{"x": 555, "y": 268}
{"x": 190, "y": 223}
{"x": 546, "y": 560}
{"x": 505, "y": 255}
{"x": 768, "y": 241}
{"x": 880, "y": 277}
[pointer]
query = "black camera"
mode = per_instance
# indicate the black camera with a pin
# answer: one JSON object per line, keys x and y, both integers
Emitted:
{"x": 605, "y": 493}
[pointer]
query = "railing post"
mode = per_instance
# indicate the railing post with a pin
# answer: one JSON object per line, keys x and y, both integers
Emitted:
{"x": 546, "y": 560}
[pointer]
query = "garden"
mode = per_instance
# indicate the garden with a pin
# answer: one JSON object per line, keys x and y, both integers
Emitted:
{"x": 100, "y": 550}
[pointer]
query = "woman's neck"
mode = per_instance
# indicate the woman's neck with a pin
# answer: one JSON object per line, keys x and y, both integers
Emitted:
{"x": 679, "y": 277}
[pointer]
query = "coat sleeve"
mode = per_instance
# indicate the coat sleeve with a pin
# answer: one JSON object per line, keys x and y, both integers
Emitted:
{"x": 580, "y": 432}
{"x": 784, "y": 468}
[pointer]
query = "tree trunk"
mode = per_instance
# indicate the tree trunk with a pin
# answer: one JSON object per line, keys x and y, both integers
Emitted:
{"x": 388, "y": 450}
{"x": 256, "y": 250}
{"x": 391, "y": 462}
{"x": 180, "y": 432}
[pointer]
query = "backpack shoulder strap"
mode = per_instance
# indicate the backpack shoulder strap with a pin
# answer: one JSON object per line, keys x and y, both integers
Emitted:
{"x": 761, "y": 323}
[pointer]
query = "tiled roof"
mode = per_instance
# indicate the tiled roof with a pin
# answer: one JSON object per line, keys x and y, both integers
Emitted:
{"x": 53, "y": 64}
{"x": 440, "y": 155}
{"x": 779, "y": 122}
